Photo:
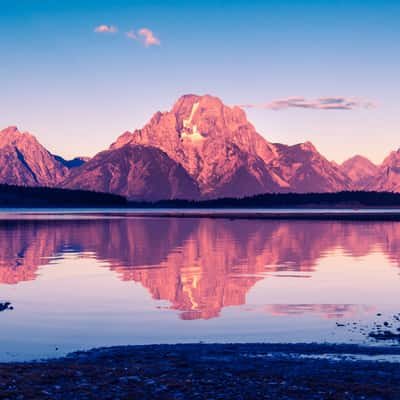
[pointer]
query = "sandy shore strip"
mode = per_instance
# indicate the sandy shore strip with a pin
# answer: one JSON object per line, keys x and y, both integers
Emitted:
{"x": 210, "y": 371}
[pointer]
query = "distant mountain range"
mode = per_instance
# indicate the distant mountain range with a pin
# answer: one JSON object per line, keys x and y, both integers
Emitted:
{"x": 201, "y": 149}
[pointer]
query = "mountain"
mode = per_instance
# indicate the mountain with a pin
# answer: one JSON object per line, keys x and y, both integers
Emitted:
{"x": 360, "y": 171}
{"x": 306, "y": 170}
{"x": 25, "y": 162}
{"x": 222, "y": 151}
{"x": 200, "y": 149}
{"x": 387, "y": 177}
{"x": 136, "y": 172}
{"x": 214, "y": 143}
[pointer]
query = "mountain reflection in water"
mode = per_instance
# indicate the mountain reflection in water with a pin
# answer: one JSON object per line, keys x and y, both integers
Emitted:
{"x": 199, "y": 266}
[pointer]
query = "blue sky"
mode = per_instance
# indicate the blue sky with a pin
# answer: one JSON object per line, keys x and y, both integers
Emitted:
{"x": 77, "y": 90}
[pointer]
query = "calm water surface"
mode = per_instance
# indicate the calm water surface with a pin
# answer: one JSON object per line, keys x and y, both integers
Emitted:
{"x": 82, "y": 281}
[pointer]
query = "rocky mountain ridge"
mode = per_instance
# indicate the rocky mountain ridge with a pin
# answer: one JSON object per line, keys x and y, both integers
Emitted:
{"x": 24, "y": 161}
{"x": 199, "y": 149}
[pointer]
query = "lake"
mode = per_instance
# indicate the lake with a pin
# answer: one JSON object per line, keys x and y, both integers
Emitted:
{"x": 78, "y": 280}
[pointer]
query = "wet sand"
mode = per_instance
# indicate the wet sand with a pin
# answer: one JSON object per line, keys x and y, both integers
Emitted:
{"x": 210, "y": 371}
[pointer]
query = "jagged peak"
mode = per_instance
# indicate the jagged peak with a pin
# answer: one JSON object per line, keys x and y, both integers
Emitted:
{"x": 393, "y": 157}
{"x": 395, "y": 152}
{"x": 14, "y": 130}
{"x": 305, "y": 146}
{"x": 122, "y": 139}
{"x": 358, "y": 158}
{"x": 308, "y": 146}
{"x": 190, "y": 99}
{"x": 184, "y": 105}
{"x": 10, "y": 130}
{"x": 12, "y": 135}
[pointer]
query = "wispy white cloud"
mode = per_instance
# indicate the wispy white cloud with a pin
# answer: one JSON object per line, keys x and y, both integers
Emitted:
{"x": 106, "y": 29}
{"x": 321, "y": 103}
{"x": 148, "y": 37}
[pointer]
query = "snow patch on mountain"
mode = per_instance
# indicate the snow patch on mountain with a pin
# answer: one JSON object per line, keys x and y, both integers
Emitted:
{"x": 190, "y": 131}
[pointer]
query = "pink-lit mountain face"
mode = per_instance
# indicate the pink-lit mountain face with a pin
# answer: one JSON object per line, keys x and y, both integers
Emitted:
{"x": 387, "y": 177}
{"x": 365, "y": 175}
{"x": 360, "y": 171}
{"x": 305, "y": 170}
{"x": 215, "y": 144}
{"x": 200, "y": 149}
{"x": 24, "y": 161}
{"x": 223, "y": 153}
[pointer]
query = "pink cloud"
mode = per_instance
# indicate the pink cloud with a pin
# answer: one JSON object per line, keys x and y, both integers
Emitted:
{"x": 106, "y": 29}
{"x": 131, "y": 35}
{"x": 149, "y": 38}
{"x": 321, "y": 103}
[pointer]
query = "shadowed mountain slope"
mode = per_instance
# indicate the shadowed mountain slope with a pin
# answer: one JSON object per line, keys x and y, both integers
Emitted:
{"x": 136, "y": 172}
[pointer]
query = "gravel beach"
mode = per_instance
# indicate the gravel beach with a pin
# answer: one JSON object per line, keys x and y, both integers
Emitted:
{"x": 210, "y": 371}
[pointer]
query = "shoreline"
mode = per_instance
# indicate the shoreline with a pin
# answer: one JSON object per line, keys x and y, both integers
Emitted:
{"x": 210, "y": 371}
{"x": 301, "y": 215}
{"x": 333, "y": 214}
